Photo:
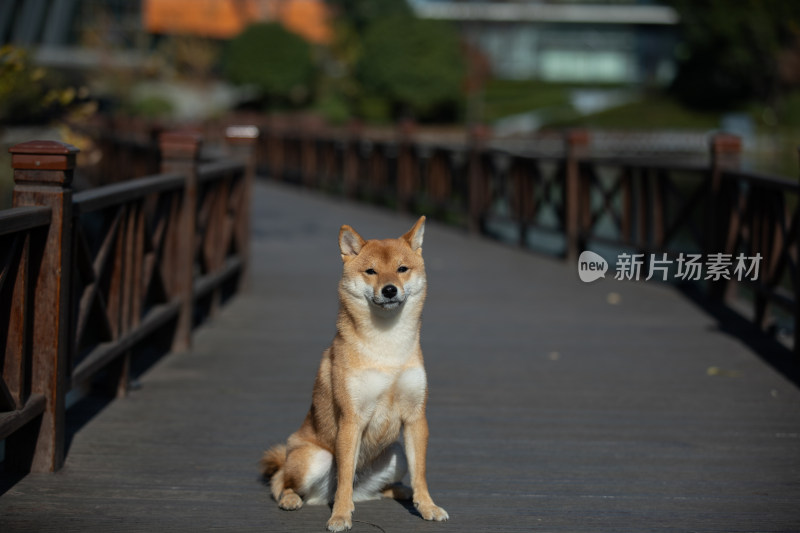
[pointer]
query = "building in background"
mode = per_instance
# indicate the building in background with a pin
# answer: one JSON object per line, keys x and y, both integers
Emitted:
{"x": 224, "y": 19}
{"x": 60, "y": 23}
{"x": 621, "y": 42}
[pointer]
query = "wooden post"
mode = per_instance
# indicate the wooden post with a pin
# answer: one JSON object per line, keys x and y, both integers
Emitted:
{"x": 352, "y": 159}
{"x": 477, "y": 181}
{"x": 726, "y": 150}
{"x": 577, "y": 142}
{"x": 406, "y": 172}
{"x": 241, "y": 142}
{"x": 521, "y": 176}
{"x": 43, "y": 176}
{"x": 276, "y": 148}
{"x": 309, "y": 164}
{"x": 644, "y": 211}
{"x": 627, "y": 205}
{"x": 796, "y": 218}
{"x": 180, "y": 152}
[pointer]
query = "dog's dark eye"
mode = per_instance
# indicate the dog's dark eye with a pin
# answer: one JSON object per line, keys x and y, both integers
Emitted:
{"x": 370, "y": 271}
{"x": 402, "y": 269}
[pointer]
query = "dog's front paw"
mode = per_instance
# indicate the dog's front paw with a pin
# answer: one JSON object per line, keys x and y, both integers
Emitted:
{"x": 431, "y": 511}
{"x": 340, "y": 523}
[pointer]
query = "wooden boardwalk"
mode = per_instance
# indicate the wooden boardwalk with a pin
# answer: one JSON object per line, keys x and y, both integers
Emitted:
{"x": 554, "y": 405}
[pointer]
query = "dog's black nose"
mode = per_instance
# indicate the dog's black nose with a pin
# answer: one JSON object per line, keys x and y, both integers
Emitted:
{"x": 389, "y": 291}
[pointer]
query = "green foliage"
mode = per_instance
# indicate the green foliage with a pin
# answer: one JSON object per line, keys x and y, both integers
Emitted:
{"x": 333, "y": 108}
{"x": 279, "y": 63}
{"x": 729, "y": 54}
{"x": 191, "y": 56}
{"x": 416, "y": 65}
{"x": 152, "y": 107}
{"x": 359, "y": 14}
{"x": 34, "y": 95}
{"x": 21, "y": 86}
{"x": 789, "y": 110}
{"x": 375, "y": 109}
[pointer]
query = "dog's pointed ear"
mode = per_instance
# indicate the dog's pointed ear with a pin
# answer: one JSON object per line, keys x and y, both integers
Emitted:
{"x": 350, "y": 242}
{"x": 415, "y": 234}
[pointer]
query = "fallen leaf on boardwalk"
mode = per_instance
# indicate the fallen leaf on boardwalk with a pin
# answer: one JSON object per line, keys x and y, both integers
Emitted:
{"x": 720, "y": 372}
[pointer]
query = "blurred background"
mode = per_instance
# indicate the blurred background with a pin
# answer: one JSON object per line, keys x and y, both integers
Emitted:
{"x": 672, "y": 71}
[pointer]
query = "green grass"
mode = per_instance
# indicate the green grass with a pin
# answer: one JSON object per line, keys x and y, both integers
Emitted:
{"x": 787, "y": 113}
{"x": 783, "y": 126}
{"x": 503, "y": 98}
{"x": 654, "y": 112}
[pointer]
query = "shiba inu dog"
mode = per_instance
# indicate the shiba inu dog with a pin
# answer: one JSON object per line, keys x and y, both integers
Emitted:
{"x": 371, "y": 385}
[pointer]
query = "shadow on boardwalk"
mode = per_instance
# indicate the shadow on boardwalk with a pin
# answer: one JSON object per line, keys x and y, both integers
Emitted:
{"x": 553, "y": 407}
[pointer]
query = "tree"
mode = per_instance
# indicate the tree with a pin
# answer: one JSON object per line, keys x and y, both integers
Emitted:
{"x": 359, "y": 14}
{"x": 279, "y": 63}
{"x": 730, "y": 50}
{"x": 416, "y": 65}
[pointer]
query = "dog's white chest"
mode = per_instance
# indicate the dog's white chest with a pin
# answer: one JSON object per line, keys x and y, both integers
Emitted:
{"x": 385, "y": 395}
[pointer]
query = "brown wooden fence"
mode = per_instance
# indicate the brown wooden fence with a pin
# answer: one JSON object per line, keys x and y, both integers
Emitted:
{"x": 87, "y": 278}
{"x": 574, "y": 200}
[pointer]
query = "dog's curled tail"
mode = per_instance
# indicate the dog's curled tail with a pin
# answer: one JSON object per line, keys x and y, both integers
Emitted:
{"x": 272, "y": 468}
{"x": 273, "y": 460}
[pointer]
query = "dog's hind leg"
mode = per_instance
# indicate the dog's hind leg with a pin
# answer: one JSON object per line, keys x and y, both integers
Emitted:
{"x": 398, "y": 491}
{"x": 318, "y": 483}
{"x": 382, "y": 477}
{"x": 306, "y": 476}
{"x": 286, "y": 497}
{"x": 272, "y": 469}
{"x": 290, "y": 500}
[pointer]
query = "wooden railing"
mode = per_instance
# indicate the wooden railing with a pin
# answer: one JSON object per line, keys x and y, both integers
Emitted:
{"x": 567, "y": 202}
{"x": 87, "y": 279}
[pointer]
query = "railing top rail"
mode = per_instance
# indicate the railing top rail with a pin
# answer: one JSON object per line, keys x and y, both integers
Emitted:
{"x": 763, "y": 179}
{"x": 452, "y": 146}
{"x": 521, "y": 154}
{"x": 212, "y": 170}
{"x": 23, "y": 218}
{"x": 654, "y": 163}
{"x": 121, "y": 193}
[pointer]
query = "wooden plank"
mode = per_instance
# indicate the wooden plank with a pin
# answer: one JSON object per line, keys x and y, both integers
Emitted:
{"x": 627, "y": 226}
{"x": 218, "y": 170}
{"x": 16, "y": 368}
{"x": 181, "y": 152}
{"x": 107, "y": 352}
{"x": 19, "y": 219}
{"x": 124, "y": 192}
{"x": 760, "y": 179}
{"x": 209, "y": 282}
{"x": 13, "y": 420}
